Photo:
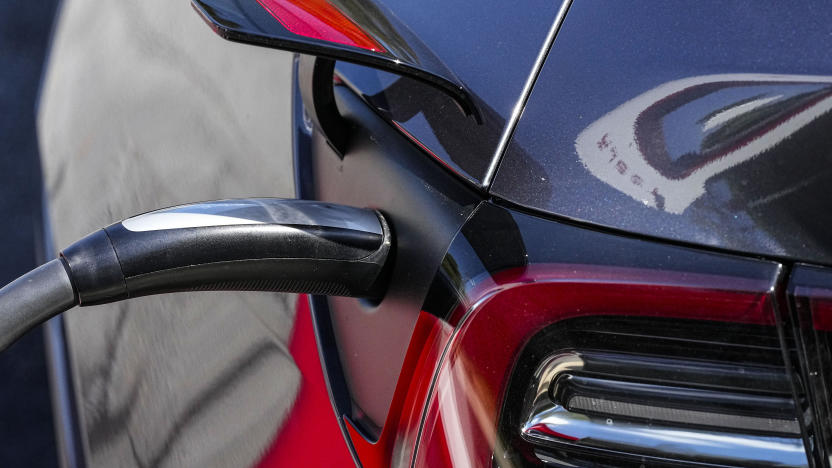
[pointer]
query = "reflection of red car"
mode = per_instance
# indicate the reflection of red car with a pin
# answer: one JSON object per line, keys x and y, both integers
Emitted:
{"x": 592, "y": 264}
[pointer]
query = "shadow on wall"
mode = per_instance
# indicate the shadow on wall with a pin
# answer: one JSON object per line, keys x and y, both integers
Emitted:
{"x": 144, "y": 107}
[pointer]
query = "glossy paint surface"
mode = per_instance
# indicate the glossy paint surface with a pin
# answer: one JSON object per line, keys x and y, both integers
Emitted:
{"x": 366, "y": 343}
{"x": 490, "y": 46}
{"x": 810, "y": 301}
{"x": 363, "y": 32}
{"x": 321, "y": 20}
{"x": 396, "y": 442}
{"x": 509, "y": 275}
{"x": 310, "y": 420}
{"x": 699, "y": 124}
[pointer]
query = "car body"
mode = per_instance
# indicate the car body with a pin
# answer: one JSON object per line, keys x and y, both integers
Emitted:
{"x": 610, "y": 249}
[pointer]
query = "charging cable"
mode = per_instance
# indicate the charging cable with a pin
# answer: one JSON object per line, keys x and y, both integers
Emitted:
{"x": 265, "y": 244}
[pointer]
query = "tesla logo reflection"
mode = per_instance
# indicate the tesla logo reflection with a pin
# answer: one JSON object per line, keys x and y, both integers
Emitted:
{"x": 661, "y": 147}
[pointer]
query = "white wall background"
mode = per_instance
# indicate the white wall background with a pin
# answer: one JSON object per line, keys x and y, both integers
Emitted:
{"x": 143, "y": 107}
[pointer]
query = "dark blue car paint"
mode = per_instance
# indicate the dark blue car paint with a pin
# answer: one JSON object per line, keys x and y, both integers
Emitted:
{"x": 774, "y": 202}
{"x": 607, "y": 54}
{"x": 491, "y": 46}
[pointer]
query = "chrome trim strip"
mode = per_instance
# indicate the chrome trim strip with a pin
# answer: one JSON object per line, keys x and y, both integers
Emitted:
{"x": 675, "y": 443}
{"x": 508, "y": 131}
{"x": 669, "y": 415}
{"x": 548, "y": 422}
